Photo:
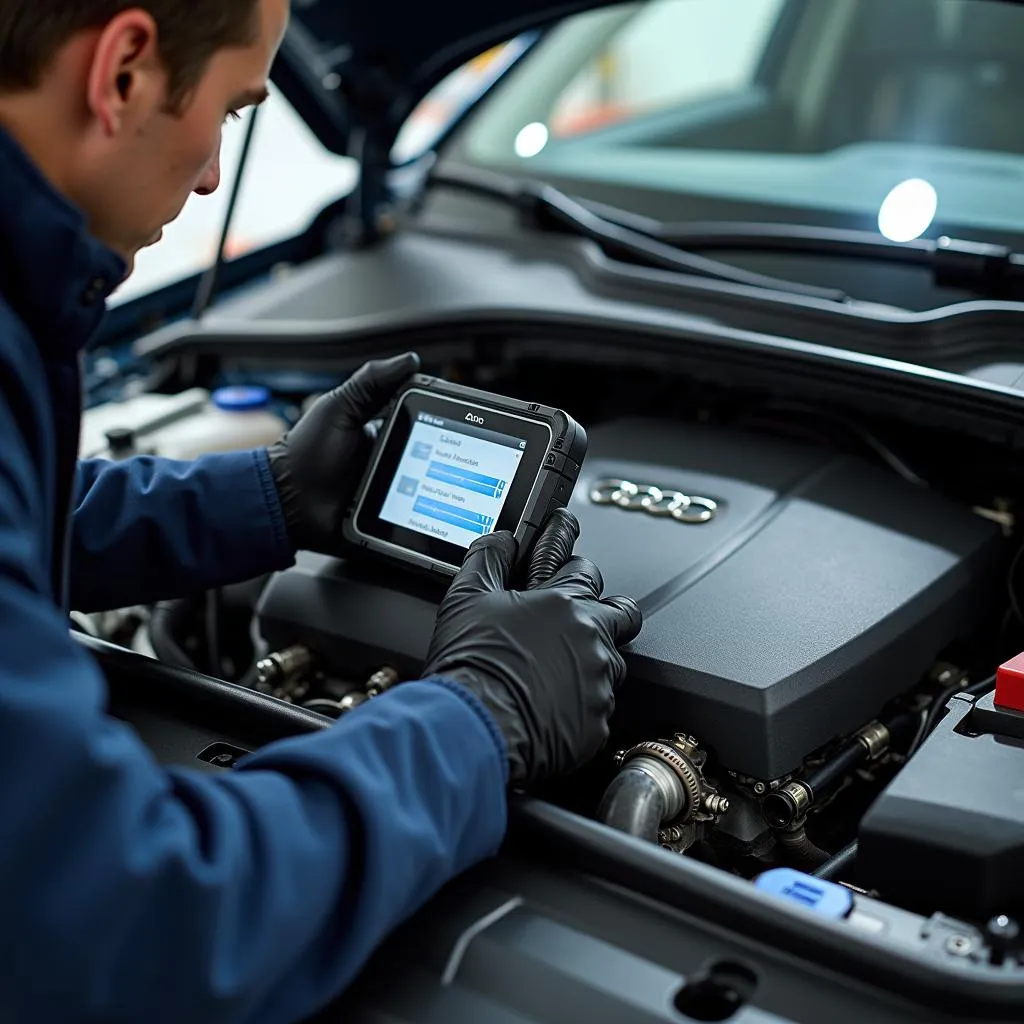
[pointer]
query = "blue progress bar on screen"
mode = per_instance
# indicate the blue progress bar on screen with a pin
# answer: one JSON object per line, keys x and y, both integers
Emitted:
{"x": 454, "y": 476}
{"x": 453, "y": 516}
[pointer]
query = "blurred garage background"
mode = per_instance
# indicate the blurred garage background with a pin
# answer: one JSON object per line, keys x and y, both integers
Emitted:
{"x": 673, "y": 50}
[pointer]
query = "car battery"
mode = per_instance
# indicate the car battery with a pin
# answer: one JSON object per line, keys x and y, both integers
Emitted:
{"x": 947, "y": 834}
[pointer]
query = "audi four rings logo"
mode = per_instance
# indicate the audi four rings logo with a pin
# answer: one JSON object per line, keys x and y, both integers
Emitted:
{"x": 655, "y": 501}
{"x": 470, "y": 418}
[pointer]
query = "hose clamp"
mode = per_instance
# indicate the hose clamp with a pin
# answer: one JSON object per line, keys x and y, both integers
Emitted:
{"x": 874, "y": 738}
{"x": 788, "y": 805}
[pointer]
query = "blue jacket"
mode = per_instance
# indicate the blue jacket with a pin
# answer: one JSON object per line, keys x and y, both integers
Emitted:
{"x": 131, "y": 892}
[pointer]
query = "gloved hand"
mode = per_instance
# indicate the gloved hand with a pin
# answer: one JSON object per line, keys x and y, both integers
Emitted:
{"x": 544, "y": 662}
{"x": 318, "y": 465}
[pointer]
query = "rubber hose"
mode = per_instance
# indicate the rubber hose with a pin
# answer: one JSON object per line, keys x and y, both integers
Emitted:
{"x": 161, "y": 635}
{"x": 853, "y": 754}
{"x": 836, "y": 768}
{"x": 553, "y": 547}
{"x": 780, "y": 809}
{"x": 799, "y": 844}
{"x": 835, "y": 867}
{"x": 633, "y": 803}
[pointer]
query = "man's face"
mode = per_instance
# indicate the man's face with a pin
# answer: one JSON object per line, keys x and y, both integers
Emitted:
{"x": 136, "y": 170}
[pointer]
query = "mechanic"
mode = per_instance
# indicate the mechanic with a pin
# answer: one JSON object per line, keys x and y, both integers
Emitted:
{"x": 131, "y": 892}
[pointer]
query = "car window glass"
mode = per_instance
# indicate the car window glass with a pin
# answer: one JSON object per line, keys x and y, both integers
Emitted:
{"x": 666, "y": 54}
{"x": 897, "y": 116}
{"x": 450, "y": 98}
{"x": 289, "y": 179}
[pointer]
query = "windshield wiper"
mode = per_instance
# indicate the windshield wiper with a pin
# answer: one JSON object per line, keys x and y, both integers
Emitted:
{"x": 983, "y": 268}
{"x": 548, "y": 208}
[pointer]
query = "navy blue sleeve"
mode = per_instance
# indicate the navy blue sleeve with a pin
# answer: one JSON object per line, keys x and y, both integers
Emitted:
{"x": 150, "y": 529}
{"x": 134, "y": 893}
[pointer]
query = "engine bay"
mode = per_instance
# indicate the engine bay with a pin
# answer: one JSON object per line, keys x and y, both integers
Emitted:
{"x": 810, "y": 608}
{"x": 783, "y": 615}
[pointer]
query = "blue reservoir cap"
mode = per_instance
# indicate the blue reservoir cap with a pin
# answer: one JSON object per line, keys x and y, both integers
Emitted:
{"x": 241, "y": 398}
{"x": 825, "y": 898}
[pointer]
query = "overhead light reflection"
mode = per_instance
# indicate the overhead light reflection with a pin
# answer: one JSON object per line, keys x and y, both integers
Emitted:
{"x": 531, "y": 139}
{"x": 908, "y": 210}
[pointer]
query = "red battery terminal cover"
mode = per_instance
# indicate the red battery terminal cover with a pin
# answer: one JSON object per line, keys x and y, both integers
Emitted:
{"x": 1010, "y": 684}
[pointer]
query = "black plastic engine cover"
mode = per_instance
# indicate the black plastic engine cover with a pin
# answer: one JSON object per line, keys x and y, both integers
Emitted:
{"x": 822, "y": 587}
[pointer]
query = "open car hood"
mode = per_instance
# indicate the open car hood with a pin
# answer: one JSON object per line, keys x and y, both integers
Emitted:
{"x": 350, "y": 68}
{"x": 356, "y": 69}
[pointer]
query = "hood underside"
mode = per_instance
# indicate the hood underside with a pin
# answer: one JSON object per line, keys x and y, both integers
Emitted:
{"x": 349, "y": 66}
{"x": 352, "y": 67}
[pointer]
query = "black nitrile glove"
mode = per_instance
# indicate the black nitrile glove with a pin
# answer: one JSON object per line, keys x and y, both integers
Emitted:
{"x": 544, "y": 662}
{"x": 318, "y": 465}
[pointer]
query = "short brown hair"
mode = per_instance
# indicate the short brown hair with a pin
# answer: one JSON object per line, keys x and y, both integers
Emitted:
{"x": 189, "y": 32}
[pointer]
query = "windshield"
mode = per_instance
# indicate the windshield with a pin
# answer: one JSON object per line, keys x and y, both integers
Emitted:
{"x": 898, "y": 116}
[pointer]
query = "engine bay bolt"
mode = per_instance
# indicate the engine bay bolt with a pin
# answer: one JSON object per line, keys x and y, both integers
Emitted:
{"x": 715, "y": 804}
{"x": 959, "y": 945}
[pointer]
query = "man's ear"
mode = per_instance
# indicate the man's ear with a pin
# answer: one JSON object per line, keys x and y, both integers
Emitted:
{"x": 126, "y": 76}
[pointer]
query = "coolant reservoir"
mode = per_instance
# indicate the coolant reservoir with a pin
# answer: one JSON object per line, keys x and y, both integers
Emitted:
{"x": 235, "y": 418}
{"x": 182, "y": 426}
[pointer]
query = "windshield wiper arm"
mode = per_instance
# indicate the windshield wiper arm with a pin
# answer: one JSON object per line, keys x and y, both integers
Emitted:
{"x": 547, "y": 207}
{"x": 986, "y": 268}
